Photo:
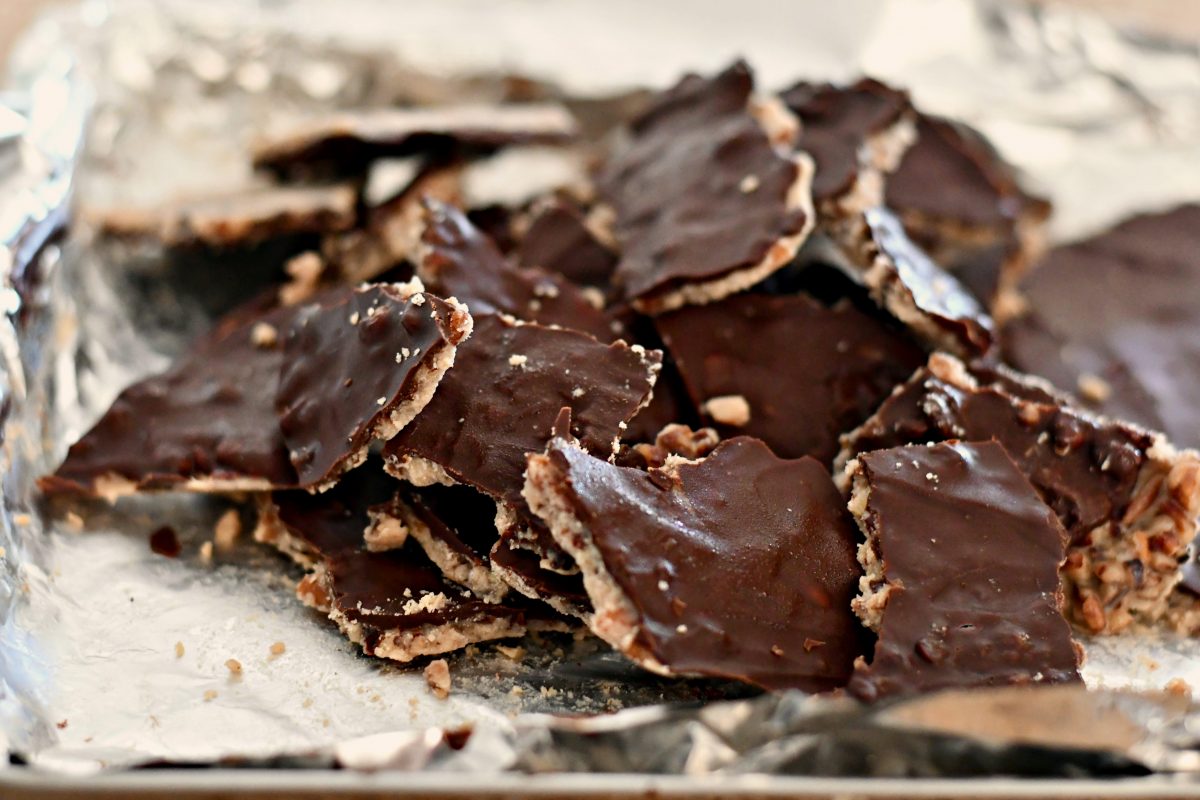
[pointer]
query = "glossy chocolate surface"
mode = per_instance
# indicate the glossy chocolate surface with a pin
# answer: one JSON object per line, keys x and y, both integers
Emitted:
{"x": 970, "y": 556}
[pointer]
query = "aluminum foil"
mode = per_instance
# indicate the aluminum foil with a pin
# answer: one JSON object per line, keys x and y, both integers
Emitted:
{"x": 113, "y": 657}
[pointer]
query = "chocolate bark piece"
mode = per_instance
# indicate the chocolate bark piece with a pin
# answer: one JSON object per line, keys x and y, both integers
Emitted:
{"x": 855, "y": 134}
{"x": 740, "y": 565}
{"x": 457, "y": 260}
{"x": 207, "y": 424}
{"x": 706, "y": 204}
{"x": 501, "y": 401}
{"x": 394, "y": 605}
{"x": 806, "y": 372}
{"x": 902, "y": 279}
{"x": 559, "y": 239}
{"x": 1115, "y": 319}
{"x": 454, "y": 525}
{"x": 347, "y": 142}
{"x": 961, "y": 559}
{"x": 357, "y": 369}
{"x": 1127, "y": 499}
{"x": 391, "y": 230}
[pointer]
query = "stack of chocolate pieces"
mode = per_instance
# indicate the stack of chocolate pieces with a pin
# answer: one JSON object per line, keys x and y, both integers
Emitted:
{"x": 737, "y": 403}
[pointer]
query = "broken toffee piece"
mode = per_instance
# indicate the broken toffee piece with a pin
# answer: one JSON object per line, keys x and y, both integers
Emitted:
{"x": 207, "y": 424}
{"x": 1128, "y": 501}
{"x": 347, "y": 142}
{"x": 739, "y": 565}
{"x": 804, "y": 372}
{"x": 855, "y": 134}
{"x": 705, "y": 203}
{"x": 673, "y": 441}
{"x": 1115, "y": 319}
{"x": 240, "y": 219}
{"x": 459, "y": 261}
{"x": 454, "y": 525}
{"x": 357, "y": 369}
{"x": 905, "y": 281}
{"x": 560, "y": 240}
{"x": 394, "y": 605}
{"x": 961, "y": 583}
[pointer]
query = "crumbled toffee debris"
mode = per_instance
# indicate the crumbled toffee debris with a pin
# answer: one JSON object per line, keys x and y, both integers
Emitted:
{"x": 437, "y": 678}
{"x": 340, "y": 387}
{"x": 1116, "y": 319}
{"x": 961, "y": 578}
{"x": 736, "y": 604}
{"x": 791, "y": 359}
{"x": 347, "y": 142}
{"x": 458, "y": 261}
{"x": 1127, "y": 499}
{"x": 685, "y": 231}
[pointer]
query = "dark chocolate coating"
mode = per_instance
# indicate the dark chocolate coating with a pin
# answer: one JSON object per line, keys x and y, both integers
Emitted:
{"x": 333, "y": 522}
{"x": 756, "y": 552}
{"x": 558, "y": 241}
{"x": 460, "y": 517}
{"x": 937, "y": 294}
{"x": 1123, "y": 306}
{"x": 493, "y": 407}
{"x": 674, "y": 185}
{"x": 347, "y": 143}
{"x": 526, "y": 564}
{"x": 953, "y": 173}
{"x": 971, "y": 556}
{"x": 808, "y": 372}
{"x": 836, "y": 122}
{"x": 211, "y": 416}
{"x": 345, "y": 355}
{"x": 461, "y": 262}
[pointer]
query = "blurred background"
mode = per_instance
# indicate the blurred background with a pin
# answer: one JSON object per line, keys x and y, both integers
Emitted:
{"x": 1178, "y": 18}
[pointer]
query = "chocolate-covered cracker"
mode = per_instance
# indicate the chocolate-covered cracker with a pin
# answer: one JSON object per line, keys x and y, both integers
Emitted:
{"x": 1115, "y": 319}
{"x": 739, "y": 565}
{"x": 1127, "y": 499}
{"x": 240, "y": 219}
{"x": 454, "y": 525}
{"x": 394, "y": 605}
{"x": 804, "y": 372}
{"x": 457, "y": 260}
{"x": 961, "y": 582}
{"x": 705, "y": 202}
{"x": 207, "y": 424}
{"x": 560, "y": 239}
{"x": 855, "y": 134}
{"x": 357, "y": 368}
{"x": 347, "y": 142}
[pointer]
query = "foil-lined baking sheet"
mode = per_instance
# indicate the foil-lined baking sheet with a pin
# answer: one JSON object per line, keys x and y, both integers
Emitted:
{"x": 114, "y": 657}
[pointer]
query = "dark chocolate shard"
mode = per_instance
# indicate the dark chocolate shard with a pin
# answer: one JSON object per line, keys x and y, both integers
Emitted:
{"x": 740, "y": 565}
{"x": 454, "y": 525}
{"x": 961, "y": 583}
{"x": 705, "y": 204}
{"x": 357, "y": 369}
{"x": 1128, "y": 501}
{"x": 801, "y": 372}
{"x": 560, "y": 240}
{"x": 207, "y": 424}
{"x": 394, "y": 605}
{"x": 347, "y": 142}
{"x": 458, "y": 261}
{"x": 853, "y": 133}
{"x": 1115, "y": 319}
{"x": 509, "y": 383}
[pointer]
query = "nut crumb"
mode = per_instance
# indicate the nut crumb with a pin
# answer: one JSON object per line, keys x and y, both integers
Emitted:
{"x": 61, "y": 724}
{"x": 308, "y": 702}
{"x": 748, "y": 184}
{"x": 776, "y": 650}
{"x": 437, "y": 678}
{"x": 354, "y": 318}
{"x": 511, "y": 653}
{"x": 278, "y": 649}
{"x": 210, "y": 695}
{"x": 381, "y": 400}
{"x": 681, "y": 628}
{"x": 228, "y": 529}
{"x": 729, "y": 409}
{"x": 206, "y": 552}
{"x": 179, "y": 650}
{"x": 549, "y": 691}
{"x": 1178, "y": 687}
{"x": 812, "y": 644}
{"x": 264, "y": 335}
{"x": 517, "y": 691}
{"x": 234, "y": 666}
{"x": 22, "y": 519}
{"x": 74, "y": 521}
{"x": 1094, "y": 388}
{"x": 517, "y": 360}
